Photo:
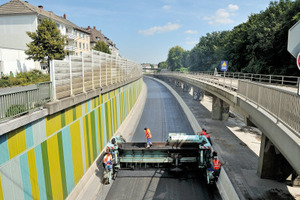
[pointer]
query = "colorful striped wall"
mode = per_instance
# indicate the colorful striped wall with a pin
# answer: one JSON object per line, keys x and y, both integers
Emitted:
{"x": 46, "y": 159}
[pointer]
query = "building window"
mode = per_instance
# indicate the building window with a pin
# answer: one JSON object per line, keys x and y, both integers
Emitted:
{"x": 83, "y": 46}
{"x": 79, "y": 45}
{"x": 79, "y": 35}
{"x": 75, "y": 44}
{"x": 87, "y": 37}
{"x": 87, "y": 46}
{"x": 76, "y": 33}
{"x": 83, "y": 35}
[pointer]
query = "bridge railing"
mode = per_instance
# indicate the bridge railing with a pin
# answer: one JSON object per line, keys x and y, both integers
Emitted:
{"x": 286, "y": 107}
{"x": 263, "y": 78}
{"x": 90, "y": 71}
{"x": 14, "y": 104}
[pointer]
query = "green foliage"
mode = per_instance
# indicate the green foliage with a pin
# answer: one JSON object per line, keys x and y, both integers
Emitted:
{"x": 256, "y": 46}
{"x": 163, "y": 65}
{"x": 24, "y": 78}
{"x": 14, "y": 110}
{"x": 101, "y": 46}
{"x": 47, "y": 43}
{"x": 176, "y": 58}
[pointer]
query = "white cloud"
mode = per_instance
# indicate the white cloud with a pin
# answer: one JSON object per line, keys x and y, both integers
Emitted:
{"x": 222, "y": 16}
{"x": 191, "y": 32}
{"x": 160, "y": 29}
{"x": 166, "y": 7}
{"x": 192, "y": 43}
{"x": 232, "y": 7}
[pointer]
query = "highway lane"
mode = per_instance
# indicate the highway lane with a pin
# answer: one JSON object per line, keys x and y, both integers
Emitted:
{"x": 162, "y": 114}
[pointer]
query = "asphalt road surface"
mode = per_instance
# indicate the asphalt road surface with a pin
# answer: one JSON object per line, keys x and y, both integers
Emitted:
{"x": 163, "y": 115}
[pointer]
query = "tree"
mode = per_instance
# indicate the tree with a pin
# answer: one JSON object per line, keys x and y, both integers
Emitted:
{"x": 175, "y": 58}
{"x": 101, "y": 46}
{"x": 47, "y": 43}
{"x": 163, "y": 65}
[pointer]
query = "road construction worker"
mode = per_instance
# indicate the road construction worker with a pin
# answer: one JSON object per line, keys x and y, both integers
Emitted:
{"x": 203, "y": 132}
{"x": 107, "y": 160}
{"x": 148, "y": 137}
{"x": 216, "y": 166}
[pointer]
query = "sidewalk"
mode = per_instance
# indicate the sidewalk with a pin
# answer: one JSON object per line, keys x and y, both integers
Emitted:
{"x": 238, "y": 146}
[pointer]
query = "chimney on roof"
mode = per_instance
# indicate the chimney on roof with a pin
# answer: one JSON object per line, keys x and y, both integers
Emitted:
{"x": 41, "y": 7}
{"x": 94, "y": 27}
{"x": 65, "y": 16}
{"x": 89, "y": 27}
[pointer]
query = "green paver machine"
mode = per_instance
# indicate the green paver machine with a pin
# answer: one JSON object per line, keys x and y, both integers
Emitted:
{"x": 179, "y": 152}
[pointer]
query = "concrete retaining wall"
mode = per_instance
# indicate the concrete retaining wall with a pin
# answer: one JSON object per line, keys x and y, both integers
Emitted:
{"x": 47, "y": 157}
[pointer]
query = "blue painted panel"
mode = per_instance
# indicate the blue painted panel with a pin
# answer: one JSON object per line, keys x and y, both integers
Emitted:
{"x": 29, "y": 135}
{"x": 40, "y": 172}
{"x": 104, "y": 124}
{"x": 68, "y": 159}
{"x": 4, "y": 156}
{"x": 25, "y": 177}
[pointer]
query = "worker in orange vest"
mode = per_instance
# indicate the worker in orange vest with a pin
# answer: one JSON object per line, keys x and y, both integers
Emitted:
{"x": 216, "y": 165}
{"x": 107, "y": 160}
{"x": 203, "y": 132}
{"x": 148, "y": 137}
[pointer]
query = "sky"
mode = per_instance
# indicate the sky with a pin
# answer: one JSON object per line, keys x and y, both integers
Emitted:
{"x": 145, "y": 30}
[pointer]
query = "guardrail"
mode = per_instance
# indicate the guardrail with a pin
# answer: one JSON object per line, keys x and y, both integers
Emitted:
{"x": 17, "y": 103}
{"x": 90, "y": 71}
{"x": 286, "y": 107}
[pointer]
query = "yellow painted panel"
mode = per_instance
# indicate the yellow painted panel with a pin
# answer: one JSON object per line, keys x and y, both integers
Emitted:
{"x": 1, "y": 190}
{"x": 78, "y": 111}
{"x": 115, "y": 113}
{"x": 54, "y": 167}
{"x": 99, "y": 128}
{"x": 86, "y": 107}
{"x": 86, "y": 150}
{"x": 100, "y": 97}
{"x": 69, "y": 115}
{"x": 53, "y": 123}
{"x": 109, "y": 119}
{"x": 90, "y": 138}
{"x": 16, "y": 142}
{"x": 76, "y": 151}
{"x": 33, "y": 174}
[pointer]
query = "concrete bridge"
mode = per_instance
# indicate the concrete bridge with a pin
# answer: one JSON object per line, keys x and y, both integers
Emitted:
{"x": 273, "y": 109}
{"x": 47, "y": 153}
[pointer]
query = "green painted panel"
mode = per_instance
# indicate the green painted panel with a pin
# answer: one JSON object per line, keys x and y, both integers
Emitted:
{"x": 46, "y": 170}
{"x": 62, "y": 164}
{"x": 93, "y": 133}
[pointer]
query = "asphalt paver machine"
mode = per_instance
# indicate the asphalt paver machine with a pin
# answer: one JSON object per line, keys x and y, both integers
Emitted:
{"x": 179, "y": 152}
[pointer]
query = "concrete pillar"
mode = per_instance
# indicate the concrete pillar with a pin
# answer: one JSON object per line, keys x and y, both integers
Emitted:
{"x": 220, "y": 109}
{"x": 186, "y": 87}
{"x": 248, "y": 122}
{"x": 272, "y": 164}
{"x": 198, "y": 94}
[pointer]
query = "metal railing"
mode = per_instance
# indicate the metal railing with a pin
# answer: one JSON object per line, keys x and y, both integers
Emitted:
{"x": 14, "y": 104}
{"x": 284, "y": 105}
{"x": 90, "y": 71}
{"x": 262, "y": 78}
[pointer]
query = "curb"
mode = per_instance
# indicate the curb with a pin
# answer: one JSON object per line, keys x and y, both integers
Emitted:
{"x": 224, "y": 185}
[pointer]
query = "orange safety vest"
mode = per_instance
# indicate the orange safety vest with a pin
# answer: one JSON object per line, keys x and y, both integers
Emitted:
{"x": 107, "y": 158}
{"x": 148, "y": 133}
{"x": 217, "y": 164}
{"x": 204, "y": 133}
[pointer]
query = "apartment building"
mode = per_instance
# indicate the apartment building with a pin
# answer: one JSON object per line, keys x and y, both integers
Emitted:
{"x": 97, "y": 35}
{"x": 16, "y": 18}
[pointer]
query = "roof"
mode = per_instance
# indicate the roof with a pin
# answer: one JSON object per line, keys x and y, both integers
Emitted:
{"x": 21, "y": 7}
{"x": 96, "y": 35}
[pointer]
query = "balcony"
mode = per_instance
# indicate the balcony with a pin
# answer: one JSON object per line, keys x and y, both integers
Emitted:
{"x": 71, "y": 36}
{"x": 70, "y": 48}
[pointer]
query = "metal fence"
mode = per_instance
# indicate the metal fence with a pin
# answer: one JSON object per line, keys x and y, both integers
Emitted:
{"x": 90, "y": 71}
{"x": 19, "y": 102}
{"x": 284, "y": 105}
